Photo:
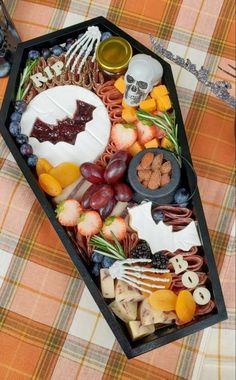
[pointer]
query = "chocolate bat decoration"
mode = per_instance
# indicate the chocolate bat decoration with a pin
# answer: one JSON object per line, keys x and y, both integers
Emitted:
{"x": 161, "y": 236}
{"x": 67, "y": 129}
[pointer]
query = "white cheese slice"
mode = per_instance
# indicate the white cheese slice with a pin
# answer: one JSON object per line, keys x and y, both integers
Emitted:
{"x": 107, "y": 283}
{"x": 149, "y": 316}
{"x": 161, "y": 236}
{"x": 58, "y": 103}
{"x": 127, "y": 293}
{"x": 138, "y": 331}
{"x": 125, "y": 311}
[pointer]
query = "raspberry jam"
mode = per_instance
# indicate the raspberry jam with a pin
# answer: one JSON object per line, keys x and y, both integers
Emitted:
{"x": 66, "y": 129}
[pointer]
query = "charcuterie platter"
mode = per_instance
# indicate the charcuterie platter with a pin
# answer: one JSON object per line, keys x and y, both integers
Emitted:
{"x": 92, "y": 119}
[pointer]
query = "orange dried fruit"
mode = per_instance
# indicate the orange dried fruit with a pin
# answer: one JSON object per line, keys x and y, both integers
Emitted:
{"x": 185, "y": 306}
{"x": 163, "y": 299}
{"x": 65, "y": 173}
{"x": 42, "y": 166}
{"x": 49, "y": 184}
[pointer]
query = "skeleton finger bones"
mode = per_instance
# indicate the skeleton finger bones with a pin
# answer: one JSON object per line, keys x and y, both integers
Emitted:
{"x": 138, "y": 276}
{"x": 83, "y": 46}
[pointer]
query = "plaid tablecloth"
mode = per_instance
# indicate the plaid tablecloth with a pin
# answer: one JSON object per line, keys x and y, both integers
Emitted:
{"x": 50, "y": 327}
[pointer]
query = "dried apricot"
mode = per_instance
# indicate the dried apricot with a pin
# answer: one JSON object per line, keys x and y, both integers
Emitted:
{"x": 49, "y": 184}
{"x": 65, "y": 173}
{"x": 163, "y": 300}
{"x": 185, "y": 306}
{"x": 42, "y": 166}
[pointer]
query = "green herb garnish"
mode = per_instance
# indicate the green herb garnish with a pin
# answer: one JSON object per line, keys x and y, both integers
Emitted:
{"x": 106, "y": 248}
{"x": 166, "y": 122}
{"x": 24, "y": 77}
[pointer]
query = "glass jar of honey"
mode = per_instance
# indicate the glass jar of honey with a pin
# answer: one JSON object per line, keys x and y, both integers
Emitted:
{"x": 113, "y": 55}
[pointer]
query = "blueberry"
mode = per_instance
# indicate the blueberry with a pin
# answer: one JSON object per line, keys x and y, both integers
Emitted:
{"x": 5, "y": 67}
{"x": 96, "y": 257}
{"x": 14, "y": 128}
{"x": 105, "y": 35}
{"x": 45, "y": 53}
{"x": 181, "y": 197}
{"x": 20, "y": 106}
{"x": 69, "y": 43}
{"x": 33, "y": 54}
{"x": 57, "y": 50}
{"x": 32, "y": 159}
{"x": 22, "y": 139}
{"x": 16, "y": 116}
{"x": 157, "y": 216}
{"x": 107, "y": 262}
{"x": 26, "y": 149}
{"x": 96, "y": 269}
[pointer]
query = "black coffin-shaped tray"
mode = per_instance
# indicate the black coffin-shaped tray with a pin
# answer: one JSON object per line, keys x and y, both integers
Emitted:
{"x": 169, "y": 333}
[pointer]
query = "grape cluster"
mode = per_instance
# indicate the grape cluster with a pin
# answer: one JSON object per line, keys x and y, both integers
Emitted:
{"x": 159, "y": 260}
{"x": 106, "y": 188}
{"x": 141, "y": 251}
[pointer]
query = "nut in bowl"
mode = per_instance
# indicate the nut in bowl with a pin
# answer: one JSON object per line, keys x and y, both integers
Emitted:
{"x": 154, "y": 174}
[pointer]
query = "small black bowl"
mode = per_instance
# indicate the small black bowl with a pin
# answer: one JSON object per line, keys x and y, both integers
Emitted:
{"x": 161, "y": 195}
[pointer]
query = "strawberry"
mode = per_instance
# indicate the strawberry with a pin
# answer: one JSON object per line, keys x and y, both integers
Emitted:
{"x": 114, "y": 224}
{"x": 68, "y": 212}
{"x": 145, "y": 132}
{"x": 159, "y": 132}
{"x": 89, "y": 223}
{"x": 123, "y": 135}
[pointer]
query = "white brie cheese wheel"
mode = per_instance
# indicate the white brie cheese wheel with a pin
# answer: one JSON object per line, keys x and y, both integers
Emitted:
{"x": 58, "y": 103}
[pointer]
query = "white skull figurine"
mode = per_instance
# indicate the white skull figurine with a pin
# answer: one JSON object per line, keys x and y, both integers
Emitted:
{"x": 143, "y": 73}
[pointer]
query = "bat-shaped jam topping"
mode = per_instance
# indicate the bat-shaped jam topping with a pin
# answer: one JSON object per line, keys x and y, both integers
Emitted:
{"x": 65, "y": 130}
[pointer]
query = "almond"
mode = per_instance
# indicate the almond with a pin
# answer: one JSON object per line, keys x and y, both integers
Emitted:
{"x": 155, "y": 180}
{"x": 146, "y": 160}
{"x": 144, "y": 175}
{"x": 157, "y": 161}
{"x": 166, "y": 167}
{"x": 165, "y": 178}
{"x": 145, "y": 183}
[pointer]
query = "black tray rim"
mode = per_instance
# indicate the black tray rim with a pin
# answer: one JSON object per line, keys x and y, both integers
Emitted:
{"x": 130, "y": 349}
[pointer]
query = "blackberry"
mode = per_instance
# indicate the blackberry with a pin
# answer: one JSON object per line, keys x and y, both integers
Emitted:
{"x": 141, "y": 251}
{"x": 159, "y": 260}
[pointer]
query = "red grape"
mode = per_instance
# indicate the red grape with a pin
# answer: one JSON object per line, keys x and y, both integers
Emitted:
{"x": 123, "y": 192}
{"x": 101, "y": 197}
{"x": 114, "y": 171}
{"x": 107, "y": 209}
{"x": 121, "y": 155}
{"x": 85, "y": 200}
{"x": 92, "y": 172}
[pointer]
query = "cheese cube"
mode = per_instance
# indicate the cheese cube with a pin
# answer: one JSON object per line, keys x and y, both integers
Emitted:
{"x": 127, "y": 293}
{"x": 148, "y": 105}
{"x": 120, "y": 84}
{"x": 125, "y": 311}
{"x": 163, "y": 103}
{"x": 135, "y": 148}
{"x": 107, "y": 283}
{"x": 129, "y": 114}
{"x": 138, "y": 331}
{"x": 158, "y": 91}
{"x": 152, "y": 144}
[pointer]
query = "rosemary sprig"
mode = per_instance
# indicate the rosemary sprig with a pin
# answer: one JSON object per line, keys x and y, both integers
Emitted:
{"x": 24, "y": 77}
{"x": 166, "y": 122}
{"x": 106, "y": 248}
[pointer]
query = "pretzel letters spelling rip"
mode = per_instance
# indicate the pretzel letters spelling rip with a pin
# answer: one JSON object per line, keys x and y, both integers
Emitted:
{"x": 38, "y": 78}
